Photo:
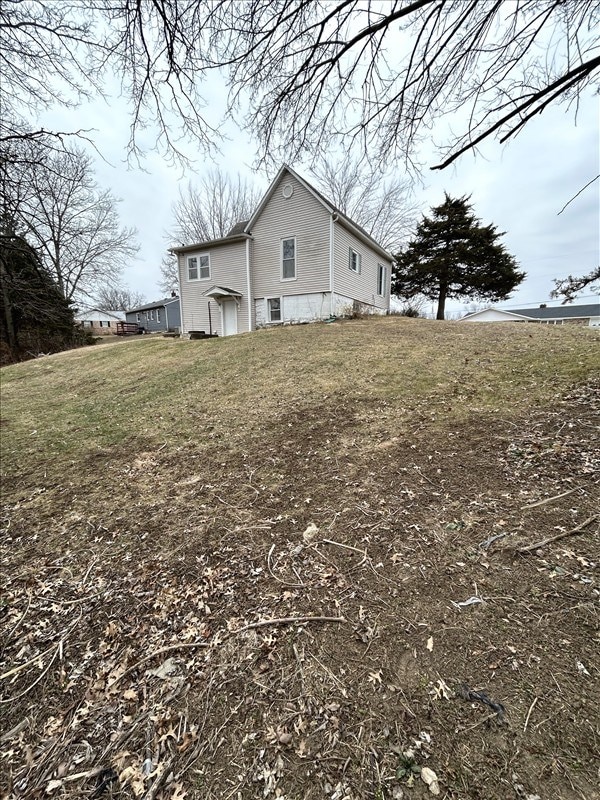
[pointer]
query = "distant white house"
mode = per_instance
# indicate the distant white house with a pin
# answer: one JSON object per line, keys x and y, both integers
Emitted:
{"x": 98, "y": 321}
{"x": 588, "y": 314}
{"x": 298, "y": 259}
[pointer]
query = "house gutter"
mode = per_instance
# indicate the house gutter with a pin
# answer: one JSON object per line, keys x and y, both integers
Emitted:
{"x": 248, "y": 283}
{"x": 363, "y": 238}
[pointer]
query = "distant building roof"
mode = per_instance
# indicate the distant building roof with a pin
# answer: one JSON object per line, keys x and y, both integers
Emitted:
{"x": 99, "y": 313}
{"x": 558, "y": 312}
{"x": 156, "y": 304}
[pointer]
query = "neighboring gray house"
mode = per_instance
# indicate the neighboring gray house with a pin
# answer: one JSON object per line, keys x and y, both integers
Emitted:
{"x": 163, "y": 315}
{"x": 588, "y": 314}
{"x": 298, "y": 259}
{"x": 99, "y": 322}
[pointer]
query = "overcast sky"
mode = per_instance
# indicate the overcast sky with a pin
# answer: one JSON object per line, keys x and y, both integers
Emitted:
{"x": 520, "y": 187}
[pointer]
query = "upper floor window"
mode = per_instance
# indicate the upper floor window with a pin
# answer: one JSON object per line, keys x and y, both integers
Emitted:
{"x": 354, "y": 261}
{"x": 288, "y": 259}
{"x": 381, "y": 280}
{"x": 198, "y": 268}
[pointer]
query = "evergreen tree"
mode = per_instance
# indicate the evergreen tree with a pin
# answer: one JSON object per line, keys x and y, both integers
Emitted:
{"x": 454, "y": 256}
{"x": 34, "y": 316}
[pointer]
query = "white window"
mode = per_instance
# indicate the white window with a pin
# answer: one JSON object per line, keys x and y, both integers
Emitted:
{"x": 138, "y": 316}
{"x": 354, "y": 260}
{"x": 152, "y": 314}
{"x": 158, "y": 314}
{"x": 147, "y": 313}
{"x": 274, "y": 309}
{"x": 288, "y": 259}
{"x": 381, "y": 280}
{"x": 198, "y": 268}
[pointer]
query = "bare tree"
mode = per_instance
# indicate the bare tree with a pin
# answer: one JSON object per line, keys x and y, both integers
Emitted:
{"x": 54, "y": 52}
{"x": 382, "y": 204}
{"x": 383, "y": 73}
{"x": 71, "y": 222}
{"x": 118, "y": 298}
{"x": 571, "y": 285}
{"x": 378, "y": 72}
{"x": 204, "y": 211}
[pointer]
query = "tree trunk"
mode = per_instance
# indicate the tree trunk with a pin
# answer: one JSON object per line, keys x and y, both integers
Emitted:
{"x": 9, "y": 325}
{"x": 441, "y": 309}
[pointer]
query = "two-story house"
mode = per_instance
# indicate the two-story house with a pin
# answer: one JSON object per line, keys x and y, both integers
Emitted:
{"x": 298, "y": 259}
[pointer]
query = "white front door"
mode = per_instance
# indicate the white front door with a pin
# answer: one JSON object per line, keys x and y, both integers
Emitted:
{"x": 229, "y": 315}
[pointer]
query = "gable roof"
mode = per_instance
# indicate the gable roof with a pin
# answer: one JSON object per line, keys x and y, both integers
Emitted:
{"x": 239, "y": 227}
{"x": 509, "y": 314}
{"x": 354, "y": 227}
{"x": 555, "y": 312}
{"x": 560, "y": 312}
{"x": 229, "y": 239}
{"x": 158, "y": 304}
{"x": 100, "y": 313}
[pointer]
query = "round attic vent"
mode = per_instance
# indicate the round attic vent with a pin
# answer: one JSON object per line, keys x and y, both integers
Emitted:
{"x": 287, "y": 191}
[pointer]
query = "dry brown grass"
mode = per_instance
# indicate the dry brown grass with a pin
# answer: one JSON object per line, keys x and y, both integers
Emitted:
{"x": 155, "y": 499}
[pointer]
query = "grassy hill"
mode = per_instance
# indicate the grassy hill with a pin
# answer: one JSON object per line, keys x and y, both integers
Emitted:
{"x": 234, "y": 568}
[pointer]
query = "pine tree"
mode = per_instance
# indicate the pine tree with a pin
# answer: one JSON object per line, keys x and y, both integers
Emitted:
{"x": 454, "y": 256}
{"x": 34, "y": 316}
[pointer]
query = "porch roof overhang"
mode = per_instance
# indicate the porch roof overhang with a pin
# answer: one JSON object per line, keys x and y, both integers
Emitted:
{"x": 219, "y": 292}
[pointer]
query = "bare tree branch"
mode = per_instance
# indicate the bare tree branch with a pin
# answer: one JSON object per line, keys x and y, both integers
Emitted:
{"x": 204, "y": 211}
{"x": 73, "y": 224}
{"x": 382, "y": 204}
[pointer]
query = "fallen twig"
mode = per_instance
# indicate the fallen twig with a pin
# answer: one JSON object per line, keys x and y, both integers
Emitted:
{"x": 14, "y": 670}
{"x": 531, "y": 707}
{"x": 558, "y": 536}
{"x": 549, "y": 499}
{"x": 38, "y": 679}
{"x": 345, "y": 546}
{"x": 279, "y": 580}
{"x": 477, "y": 724}
{"x": 159, "y": 780}
{"x": 5, "y": 737}
{"x": 159, "y": 652}
{"x": 288, "y": 621}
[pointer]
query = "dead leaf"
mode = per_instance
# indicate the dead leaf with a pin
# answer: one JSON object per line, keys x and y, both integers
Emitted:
{"x": 167, "y": 668}
{"x": 310, "y": 533}
{"x": 430, "y": 643}
{"x": 429, "y": 777}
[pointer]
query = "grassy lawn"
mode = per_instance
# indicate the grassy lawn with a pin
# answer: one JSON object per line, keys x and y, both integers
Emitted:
{"x": 160, "y": 496}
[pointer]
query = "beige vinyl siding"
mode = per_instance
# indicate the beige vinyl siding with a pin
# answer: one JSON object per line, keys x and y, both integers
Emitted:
{"x": 227, "y": 268}
{"x": 363, "y": 286}
{"x": 301, "y": 216}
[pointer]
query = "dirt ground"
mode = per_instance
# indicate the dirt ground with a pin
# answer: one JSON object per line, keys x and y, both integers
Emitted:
{"x": 337, "y": 605}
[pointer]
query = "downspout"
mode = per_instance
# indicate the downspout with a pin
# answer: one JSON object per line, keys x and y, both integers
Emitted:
{"x": 167, "y": 314}
{"x": 250, "y": 302}
{"x": 181, "y": 328}
{"x": 331, "y": 266}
